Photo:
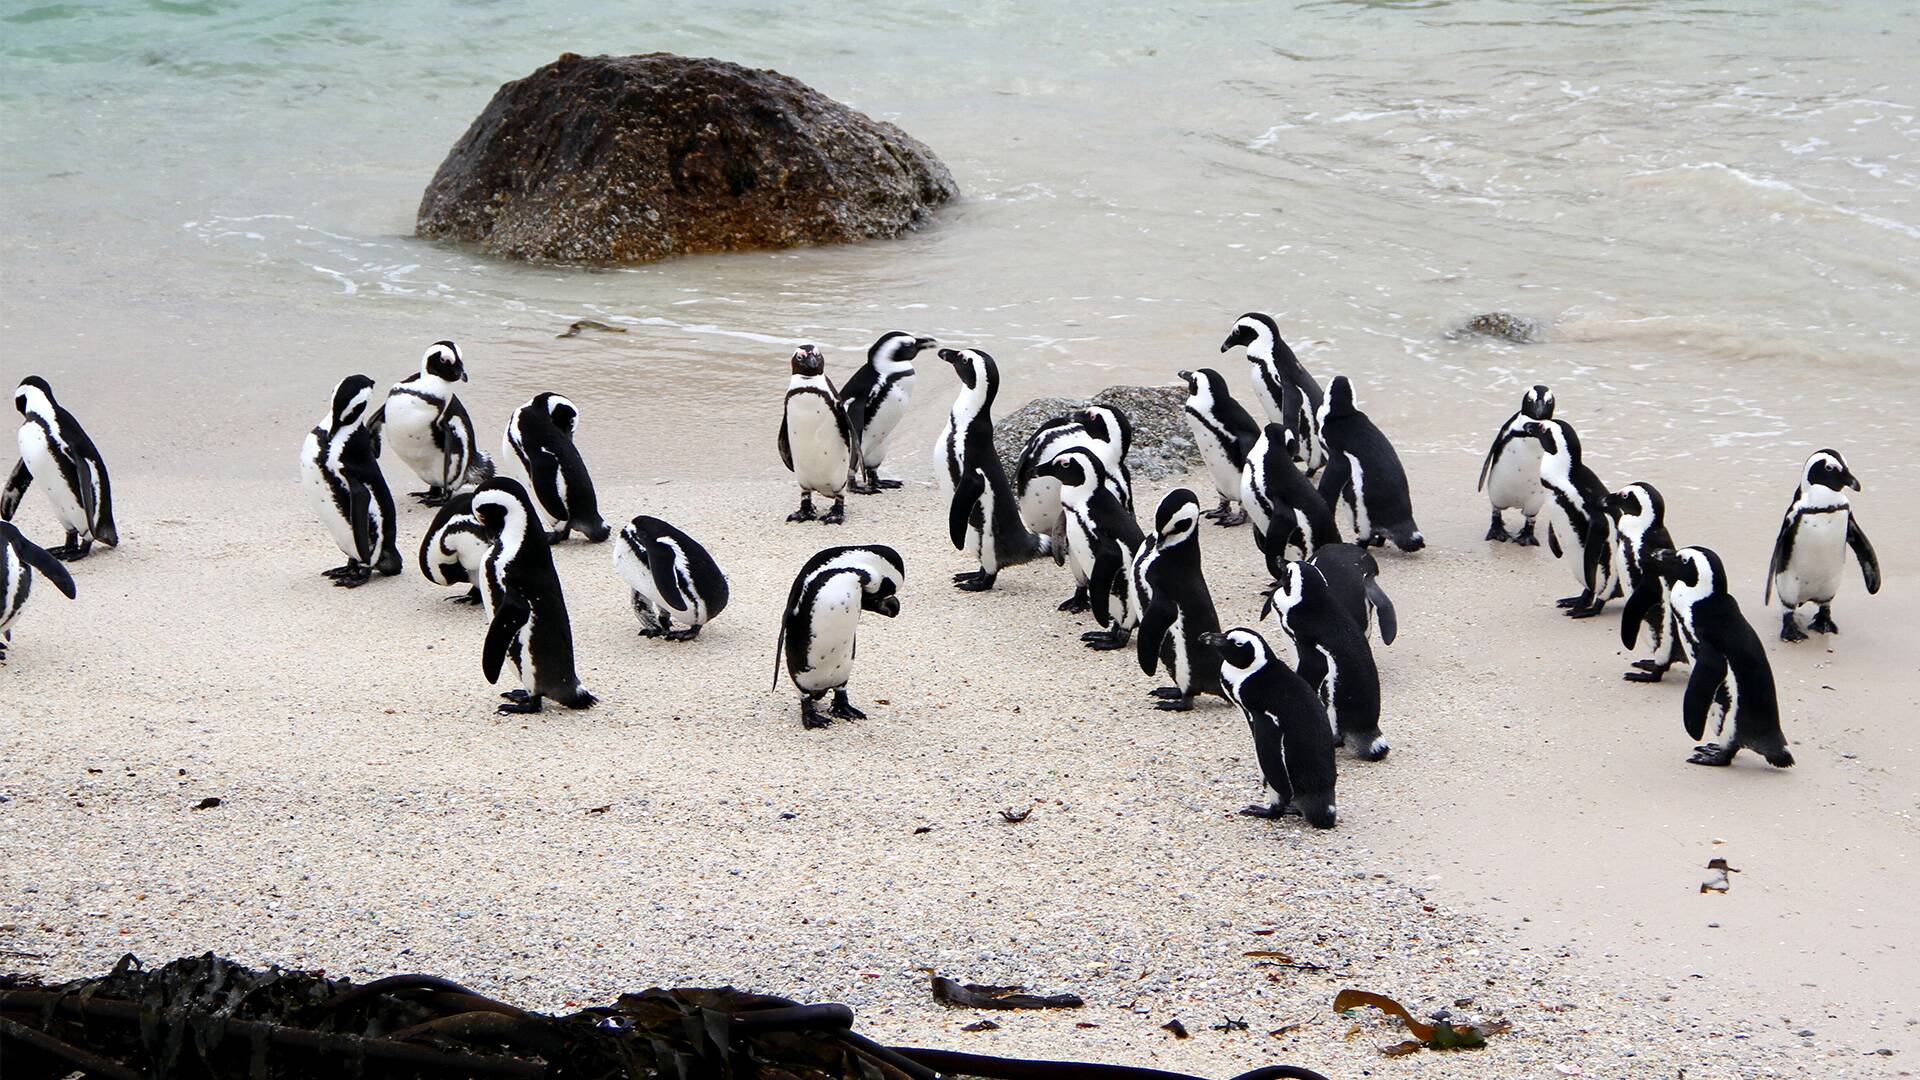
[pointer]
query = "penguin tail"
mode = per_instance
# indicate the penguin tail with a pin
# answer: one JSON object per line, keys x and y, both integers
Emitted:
{"x": 1407, "y": 538}
{"x": 1776, "y": 753}
{"x": 1319, "y": 812}
{"x": 578, "y": 698}
{"x": 480, "y": 470}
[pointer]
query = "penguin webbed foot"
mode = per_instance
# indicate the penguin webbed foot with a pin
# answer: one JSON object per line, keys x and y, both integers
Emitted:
{"x": 433, "y": 496}
{"x": 356, "y": 576}
{"x": 1790, "y": 628}
{"x": 353, "y": 567}
{"x": 652, "y": 631}
{"x": 1648, "y": 671}
{"x": 71, "y": 552}
{"x": 842, "y": 709}
{"x": 1269, "y": 812}
{"x": 1106, "y": 640}
{"x": 1077, "y": 603}
{"x": 1497, "y": 532}
{"x": 471, "y": 596}
{"x": 1227, "y": 519}
{"x": 882, "y": 482}
{"x": 1711, "y": 754}
{"x": 1525, "y": 537}
{"x": 1178, "y": 702}
{"x": 810, "y": 718}
{"x": 1823, "y": 621}
{"x": 521, "y": 705}
{"x": 684, "y": 634}
{"x": 1588, "y": 611}
{"x": 837, "y": 515}
{"x": 806, "y": 511}
{"x": 1574, "y": 601}
{"x": 974, "y": 581}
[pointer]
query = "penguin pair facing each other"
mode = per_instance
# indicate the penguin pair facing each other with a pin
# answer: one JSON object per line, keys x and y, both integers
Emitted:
{"x": 529, "y": 623}
{"x": 1510, "y": 475}
{"x": 428, "y": 426}
{"x": 19, "y": 558}
{"x": 822, "y": 616}
{"x": 55, "y": 450}
{"x": 1281, "y": 384}
{"x": 340, "y": 465}
{"x": 540, "y": 434}
{"x": 1293, "y": 740}
{"x": 1098, "y": 429}
{"x": 1364, "y": 472}
{"x": 1637, "y": 527}
{"x": 983, "y": 518}
{"x": 1810, "y": 554}
{"x": 1101, "y": 540}
{"x": 1225, "y": 434}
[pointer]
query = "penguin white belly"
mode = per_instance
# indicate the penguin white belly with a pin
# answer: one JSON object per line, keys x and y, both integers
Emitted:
{"x": 1249, "y": 483}
{"x": 37, "y": 452}
{"x": 1275, "y": 415}
{"x": 1572, "y": 544}
{"x": 1079, "y": 548}
{"x": 637, "y": 574}
{"x": 1226, "y": 478}
{"x": 1179, "y": 666}
{"x": 819, "y": 453}
{"x": 1514, "y": 481}
{"x": 528, "y": 661}
{"x": 943, "y": 459}
{"x": 1040, "y": 505}
{"x": 835, "y": 618}
{"x": 1812, "y": 574}
{"x": 878, "y": 433}
{"x": 409, "y": 430}
{"x": 319, "y": 482}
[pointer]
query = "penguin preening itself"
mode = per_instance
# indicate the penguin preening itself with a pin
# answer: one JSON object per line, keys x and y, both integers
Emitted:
{"x": 982, "y": 517}
{"x": 1731, "y": 680}
{"x": 672, "y": 579}
{"x": 1363, "y": 470}
{"x": 822, "y": 616}
{"x": 1292, "y": 738}
{"x": 1333, "y": 655}
{"x": 1225, "y": 434}
{"x": 340, "y": 464}
{"x": 540, "y": 434}
{"x": 425, "y": 423}
{"x": 1810, "y": 556}
{"x": 816, "y": 441}
{"x": 1511, "y": 473}
{"x": 1281, "y": 384}
{"x": 1637, "y": 517}
{"x": 55, "y": 450}
{"x": 1098, "y": 429}
{"x": 19, "y": 558}
{"x": 1101, "y": 537}
{"x": 529, "y": 624}
{"x": 875, "y": 399}
{"x": 1175, "y": 607}
{"x": 455, "y": 549}
{"x": 1576, "y": 506}
{"x": 1284, "y": 506}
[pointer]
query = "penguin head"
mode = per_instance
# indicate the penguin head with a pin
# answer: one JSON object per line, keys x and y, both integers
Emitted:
{"x": 895, "y": 349}
{"x": 1279, "y": 437}
{"x": 975, "y": 368}
{"x": 500, "y": 502}
{"x": 33, "y": 393}
{"x": 1241, "y": 650}
{"x": 809, "y": 361}
{"x": 1537, "y": 404}
{"x": 1828, "y": 469}
{"x": 1339, "y": 400}
{"x": 881, "y": 577}
{"x": 562, "y": 411}
{"x": 1289, "y": 585}
{"x": 1107, "y": 424}
{"x": 1205, "y": 384}
{"x": 1073, "y": 467}
{"x": 1178, "y": 517}
{"x": 1193, "y": 384}
{"x": 1692, "y": 566}
{"x": 1555, "y": 436}
{"x": 1257, "y": 331}
{"x": 442, "y": 360}
{"x": 1640, "y": 500}
{"x": 350, "y": 400}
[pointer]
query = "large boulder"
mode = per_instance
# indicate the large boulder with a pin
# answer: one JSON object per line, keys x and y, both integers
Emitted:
{"x": 617, "y": 160}
{"x": 1163, "y": 447}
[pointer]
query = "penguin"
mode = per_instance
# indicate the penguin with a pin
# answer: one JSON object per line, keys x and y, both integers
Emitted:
{"x": 818, "y": 625}
{"x": 1284, "y": 506}
{"x": 455, "y": 550}
{"x": 816, "y": 442}
{"x": 1576, "y": 506}
{"x": 540, "y": 434}
{"x": 340, "y": 465}
{"x": 875, "y": 399}
{"x": 1731, "y": 682}
{"x": 1176, "y": 608}
{"x": 529, "y": 624}
{"x": 1100, "y": 532}
{"x": 55, "y": 450}
{"x": 1100, "y": 428}
{"x": 1292, "y": 738}
{"x": 1637, "y": 517}
{"x": 1290, "y": 396}
{"x": 1353, "y": 575}
{"x": 19, "y": 558}
{"x": 1513, "y": 466}
{"x": 1333, "y": 655}
{"x": 426, "y": 424}
{"x": 1363, "y": 470}
{"x": 1225, "y": 434}
{"x": 672, "y": 578}
{"x": 1810, "y": 555}
{"x": 982, "y": 517}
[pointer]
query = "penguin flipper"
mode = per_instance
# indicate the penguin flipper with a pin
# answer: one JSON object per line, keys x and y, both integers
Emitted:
{"x": 1863, "y": 551}
{"x": 661, "y": 563}
{"x": 510, "y": 613}
{"x": 1783, "y": 550}
{"x": 1383, "y": 611}
{"x": 1106, "y": 567}
{"x": 36, "y": 556}
{"x": 1597, "y": 556}
{"x": 966, "y": 496}
{"x": 1553, "y": 541}
{"x": 1493, "y": 451}
{"x": 1334, "y": 479}
{"x": 17, "y": 484}
{"x": 360, "y": 515}
{"x": 102, "y": 520}
{"x": 1639, "y": 603}
{"x": 1154, "y": 625}
{"x": 1709, "y": 671}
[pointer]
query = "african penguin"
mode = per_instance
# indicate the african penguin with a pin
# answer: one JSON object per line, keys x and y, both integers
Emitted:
{"x": 818, "y": 625}
{"x": 1731, "y": 682}
{"x": 1100, "y": 428}
{"x": 1352, "y": 574}
{"x": 426, "y": 424}
{"x": 1290, "y": 396}
{"x": 340, "y": 464}
{"x": 982, "y": 517}
{"x": 1511, "y": 473}
{"x": 1638, "y": 527}
{"x": 1333, "y": 655}
{"x": 1810, "y": 554}
{"x": 1225, "y": 434}
{"x": 1176, "y": 608}
{"x": 875, "y": 399}
{"x": 1292, "y": 738}
{"x": 1099, "y": 533}
{"x": 1576, "y": 507}
{"x": 1363, "y": 470}
{"x": 540, "y": 434}
{"x": 55, "y": 450}
{"x": 529, "y": 624}
{"x": 1284, "y": 506}
{"x": 455, "y": 550}
{"x": 672, "y": 578}
{"x": 816, "y": 442}
{"x": 19, "y": 558}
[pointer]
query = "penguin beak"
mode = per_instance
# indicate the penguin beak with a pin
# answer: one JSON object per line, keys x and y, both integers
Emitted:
{"x": 924, "y": 342}
{"x": 1852, "y": 480}
{"x": 1227, "y": 344}
{"x": 463, "y": 374}
{"x": 1185, "y": 376}
{"x": 951, "y": 356}
{"x": 888, "y": 606}
{"x": 1213, "y": 640}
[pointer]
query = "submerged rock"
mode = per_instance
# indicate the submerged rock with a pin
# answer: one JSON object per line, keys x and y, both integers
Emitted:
{"x": 1501, "y": 324}
{"x": 629, "y": 159}
{"x": 1162, "y": 445}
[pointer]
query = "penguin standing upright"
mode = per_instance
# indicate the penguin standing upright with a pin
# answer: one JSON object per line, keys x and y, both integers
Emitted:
{"x": 340, "y": 464}
{"x": 816, "y": 442}
{"x": 1576, "y": 506}
{"x": 19, "y": 558}
{"x": 818, "y": 625}
{"x": 1176, "y": 608}
{"x": 1292, "y": 738}
{"x": 455, "y": 550}
{"x": 1282, "y": 385}
{"x": 875, "y": 399}
{"x": 1353, "y": 574}
{"x": 1333, "y": 655}
{"x": 1637, "y": 516}
{"x": 1810, "y": 555}
{"x": 530, "y": 624}
{"x": 1363, "y": 470}
{"x": 672, "y": 578}
{"x": 426, "y": 424}
{"x": 55, "y": 450}
{"x": 1225, "y": 434}
{"x": 1731, "y": 682}
{"x": 1099, "y": 533}
{"x": 540, "y": 434}
{"x": 982, "y": 517}
{"x": 1284, "y": 506}
{"x": 1511, "y": 473}
{"x": 1100, "y": 428}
